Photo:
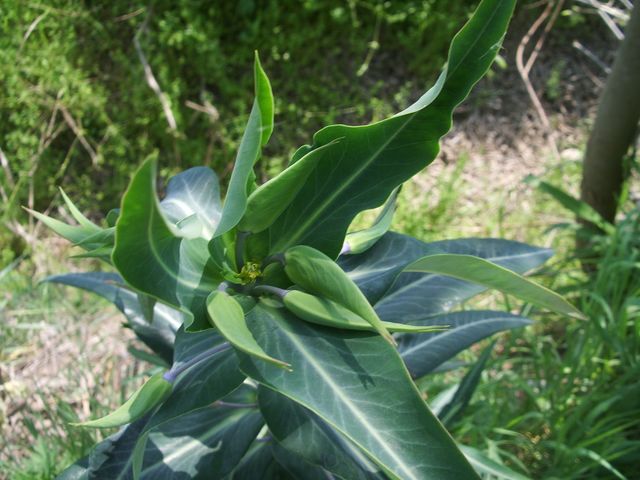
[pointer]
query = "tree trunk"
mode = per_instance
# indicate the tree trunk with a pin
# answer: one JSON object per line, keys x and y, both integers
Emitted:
{"x": 615, "y": 126}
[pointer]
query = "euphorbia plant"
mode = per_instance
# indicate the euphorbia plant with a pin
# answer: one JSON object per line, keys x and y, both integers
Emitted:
{"x": 292, "y": 343}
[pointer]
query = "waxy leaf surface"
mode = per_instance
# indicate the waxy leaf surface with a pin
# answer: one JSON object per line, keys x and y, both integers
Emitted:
{"x": 361, "y": 170}
{"x": 354, "y": 381}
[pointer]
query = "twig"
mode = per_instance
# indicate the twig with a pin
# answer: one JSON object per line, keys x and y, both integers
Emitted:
{"x": 591, "y": 56}
{"x": 151, "y": 79}
{"x": 7, "y": 171}
{"x": 31, "y": 28}
{"x": 78, "y": 132}
{"x": 551, "y": 12}
{"x": 207, "y": 109}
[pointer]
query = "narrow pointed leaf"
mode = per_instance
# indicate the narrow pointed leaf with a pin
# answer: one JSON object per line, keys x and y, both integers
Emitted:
{"x": 491, "y": 275}
{"x": 77, "y": 214}
{"x": 425, "y": 352}
{"x": 377, "y": 272}
{"x": 579, "y": 208}
{"x": 353, "y": 380}
{"x": 148, "y": 396}
{"x": 322, "y": 311}
{"x": 485, "y": 466}
{"x": 228, "y": 317}
{"x": 385, "y": 154}
{"x": 256, "y": 135}
{"x": 461, "y": 398}
{"x": 75, "y": 234}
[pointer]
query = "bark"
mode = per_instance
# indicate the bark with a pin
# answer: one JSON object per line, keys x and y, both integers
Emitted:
{"x": 615, "y": 126}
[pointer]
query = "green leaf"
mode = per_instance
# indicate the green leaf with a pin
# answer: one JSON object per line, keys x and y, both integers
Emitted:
{"x": 228, "y": 317}
{"x": 193, "y": 199}
{"x": 158, "y": 335}
{"x": 318, "y": 274}
{"x": 147, "y": 397}
{"x": 256, "y": 135}
{"x": 485, "y": 466}
{"x": 483, "y": 272}
{"x": 353, "y": 381}
{"x": 259, "y": 463}
{"x": 269, "y": 200}
{"x": 208, "y": 443}
{"x": 297, "y": 467}
{"x": 401, "y": 297}
{"x": 425, "y": 352}
{"x": 77, "y": 214}
{"x": 579, "y": 208}
{"x": 362, "y": 240}
{"x": 362, "y": 169}
{"x": 461, "y": 398}
{"x": 303, "y": 433}
{"x": 207, "y": 381}
{"x": 75, "y": 234}
{"x": 153, "y": 257}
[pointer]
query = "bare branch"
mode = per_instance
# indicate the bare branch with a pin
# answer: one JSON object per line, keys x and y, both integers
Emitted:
{"x": 151, "y": 79}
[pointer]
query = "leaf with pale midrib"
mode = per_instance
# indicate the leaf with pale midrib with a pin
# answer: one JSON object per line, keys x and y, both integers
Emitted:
{"x": 354, "y": 381}
{"x": 360, "y": 171}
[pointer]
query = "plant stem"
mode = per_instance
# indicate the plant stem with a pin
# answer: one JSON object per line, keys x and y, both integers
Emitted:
{"x": 279, "y": 292}
{"x": 172, "y": 374}
{"x": 276, "y": 257}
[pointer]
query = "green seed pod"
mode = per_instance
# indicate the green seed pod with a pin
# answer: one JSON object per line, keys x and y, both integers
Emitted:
{"x": 331, "y": 314}
{"x": 152, "y": 393}
{"x": 318, "y": 274}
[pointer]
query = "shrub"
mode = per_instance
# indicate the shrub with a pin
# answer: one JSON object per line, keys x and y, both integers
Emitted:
{"x": 284, "y": 360}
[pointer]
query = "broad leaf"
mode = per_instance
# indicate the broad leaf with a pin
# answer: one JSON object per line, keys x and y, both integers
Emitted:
{"x": 153, "y": 257}
{"x": 424, "y": 352}
{"x": 256, "y": 135}
{"x": 353, "y": 381}
{"x": 302, "y": 432}
{"x": 259, "y": 463}
{"x": 158, "y": 334}
{"x": 195, "y": 195}
{"x": 215, "y": 375}
{"x": 361, "y": 170}
{"x": 297, "y": 467}
{"x": 207, "y": 443}
{"x": 490, "y": 275}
